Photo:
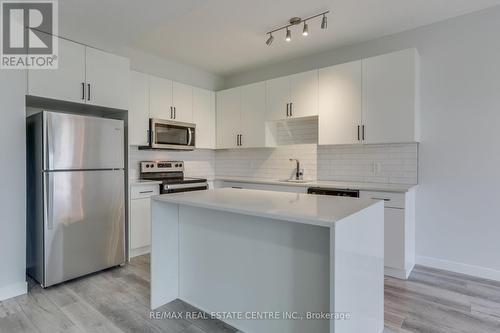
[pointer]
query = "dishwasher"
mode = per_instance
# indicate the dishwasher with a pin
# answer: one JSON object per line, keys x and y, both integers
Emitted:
{"x": 333, "y": 192}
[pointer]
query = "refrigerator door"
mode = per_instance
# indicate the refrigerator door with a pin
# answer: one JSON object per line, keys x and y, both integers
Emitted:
{"x": 84, "y": 223}
{"x": 73, "y": 142}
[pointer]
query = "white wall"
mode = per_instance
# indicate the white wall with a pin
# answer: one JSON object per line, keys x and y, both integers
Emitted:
{"x": 12, "y": 185}
{"x": 151, "y": 64}
{"x": 458, "y": 211}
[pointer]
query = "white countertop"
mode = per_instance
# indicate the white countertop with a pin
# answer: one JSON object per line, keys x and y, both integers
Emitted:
{"x": 324, "y": 183}
{"x": 295, "y": 207}
{"x": 137, "y": 182}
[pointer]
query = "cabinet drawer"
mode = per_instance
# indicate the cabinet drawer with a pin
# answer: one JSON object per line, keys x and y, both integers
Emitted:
{"x": 144, "y": 191}
{"x": 391, "y": 199}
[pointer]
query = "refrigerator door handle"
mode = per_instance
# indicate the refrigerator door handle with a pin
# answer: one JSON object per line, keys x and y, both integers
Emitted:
{"x": 48, "y": 187}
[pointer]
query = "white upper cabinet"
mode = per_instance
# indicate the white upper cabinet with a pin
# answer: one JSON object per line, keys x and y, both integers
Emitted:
{"x": 182, "y": 102}
{"x": 304, "y": 94}
{"x": 228, "y": 118}
{"x": 253, "y": 115}
{"x": 107, "y": 77}
{"x": 160, "y": 94}
{"x": 390, "y": 98}
{"x": 293, "y": 96}
{"x": 278, "y": 98}
{"x": 66, "y": 83}
{"x": 138, "y": 115}
{"x": 204, "y": 118}
{"x": 85, "y": 75}
{"x": 340, "y": 104}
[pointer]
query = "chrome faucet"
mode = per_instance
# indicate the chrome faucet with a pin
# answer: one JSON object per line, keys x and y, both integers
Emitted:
{"x": 298, "y": 172}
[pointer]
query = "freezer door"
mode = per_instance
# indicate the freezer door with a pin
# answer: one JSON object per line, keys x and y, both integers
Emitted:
{"x": 74, "y": 142}
{"x": 84, "y": 223}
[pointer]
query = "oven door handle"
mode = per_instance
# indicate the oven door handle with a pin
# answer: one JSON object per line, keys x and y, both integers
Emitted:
{"x": 183, "y": 186}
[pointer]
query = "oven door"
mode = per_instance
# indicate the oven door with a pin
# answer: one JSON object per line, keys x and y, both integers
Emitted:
{"x": 167, "y": 134}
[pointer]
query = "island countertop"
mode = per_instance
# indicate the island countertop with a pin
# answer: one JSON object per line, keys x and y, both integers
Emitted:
{"x": 294, "y": 207}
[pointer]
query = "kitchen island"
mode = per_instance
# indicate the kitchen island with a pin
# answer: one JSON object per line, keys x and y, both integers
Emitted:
{"x": 267, "y": 261}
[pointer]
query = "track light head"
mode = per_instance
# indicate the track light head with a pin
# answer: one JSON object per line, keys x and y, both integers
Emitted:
{"x": 324, "y": 22}
{"x": 288, "y": 35}
{"x": 270, "y": 40}
{"x": 305, "y": 31}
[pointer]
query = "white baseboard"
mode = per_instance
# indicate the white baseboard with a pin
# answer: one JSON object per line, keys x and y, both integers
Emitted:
{"x": 13, "y": 290}
{"x": 402, "y": 274}
{"x": 140, "y": 251}
{"x": 457, "y": 267}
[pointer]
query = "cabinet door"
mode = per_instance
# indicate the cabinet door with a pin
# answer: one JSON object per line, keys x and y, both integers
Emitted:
{"x": 138, "y": 114}
{"x": 160, "y": 98}
{"x": 204, "y": 117}
{"x": 278, "y": 97}
{"x": 340, "y": 104}
{"x": 253, "y": 115}
{"x": 140, "y": 223}
{"x": 304, "y": 94}
{"x": 390, "y": 97}
{"x": 64, "y": 83}
{"x": 394, "y": 246}
{"x": 108, "y": 77}
{"x": 228, "y": 117}
{"x": 182, "y": 101}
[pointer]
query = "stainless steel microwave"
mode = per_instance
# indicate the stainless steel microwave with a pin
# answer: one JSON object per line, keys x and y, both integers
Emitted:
{"x": 171, "y": 135}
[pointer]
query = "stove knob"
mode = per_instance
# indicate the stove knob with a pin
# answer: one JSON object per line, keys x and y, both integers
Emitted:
{"x": 147, "y": 165}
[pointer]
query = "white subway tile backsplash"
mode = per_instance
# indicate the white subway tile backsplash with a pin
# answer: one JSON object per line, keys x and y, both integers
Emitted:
{"x": 198, "y": 163}
{"x": 391, "y": 163}
{"x": 269, "y": 163}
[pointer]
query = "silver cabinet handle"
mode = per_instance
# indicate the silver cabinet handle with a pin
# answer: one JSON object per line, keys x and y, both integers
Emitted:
{"x": 359, "y": 137}
{"x": 363, "y": 132}
{"x": 190, "y": 136}
{"x": 83, "y": 90}
{"x": 241, "y": 139}
{"x": 144, "y": 192}
{"x": 287, "y": 108}
{"x": 171, "y": 112}
{"x": 291, "y": 109}
{"x": 88, "y": 94}
{"x": 175, "y": 112}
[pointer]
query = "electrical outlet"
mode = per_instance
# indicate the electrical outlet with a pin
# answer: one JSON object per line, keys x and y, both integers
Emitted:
{"x": 375, "y": 168}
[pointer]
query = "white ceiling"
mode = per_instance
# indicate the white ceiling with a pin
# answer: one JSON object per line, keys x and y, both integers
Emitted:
{"x": 228, "y": 36}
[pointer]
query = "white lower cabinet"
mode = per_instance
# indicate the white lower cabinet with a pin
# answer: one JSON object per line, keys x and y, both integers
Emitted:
{"x": 399, "y": 231}
{"x": 140, "y": 218}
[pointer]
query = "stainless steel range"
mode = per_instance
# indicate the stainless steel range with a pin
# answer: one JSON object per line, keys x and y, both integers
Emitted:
{"x": 171, "y": 174}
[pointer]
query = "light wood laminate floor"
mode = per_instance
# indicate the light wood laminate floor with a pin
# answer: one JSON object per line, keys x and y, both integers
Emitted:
{"x": 116, "y": 300}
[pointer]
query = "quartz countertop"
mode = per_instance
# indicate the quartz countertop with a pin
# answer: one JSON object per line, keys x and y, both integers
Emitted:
{"x": 137, "y": 182}
{"x": 295, "y": 207}
{"x": 365, "y": 186}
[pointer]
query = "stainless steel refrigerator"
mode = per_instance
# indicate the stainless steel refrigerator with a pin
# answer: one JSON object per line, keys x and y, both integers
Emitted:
{"x": 75, "y": 196}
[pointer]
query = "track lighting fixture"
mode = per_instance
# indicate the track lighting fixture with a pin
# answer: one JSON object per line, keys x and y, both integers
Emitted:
{"x": 324, "y": 22}
{"x": 270, "y": 40}
{"x": 295, "y": 21}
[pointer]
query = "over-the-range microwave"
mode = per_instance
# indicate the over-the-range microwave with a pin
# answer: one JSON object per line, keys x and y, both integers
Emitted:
{"x": 170, "y": 135}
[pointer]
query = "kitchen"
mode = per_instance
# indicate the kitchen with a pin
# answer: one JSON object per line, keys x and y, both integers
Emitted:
{"x": 380, "y": 118}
